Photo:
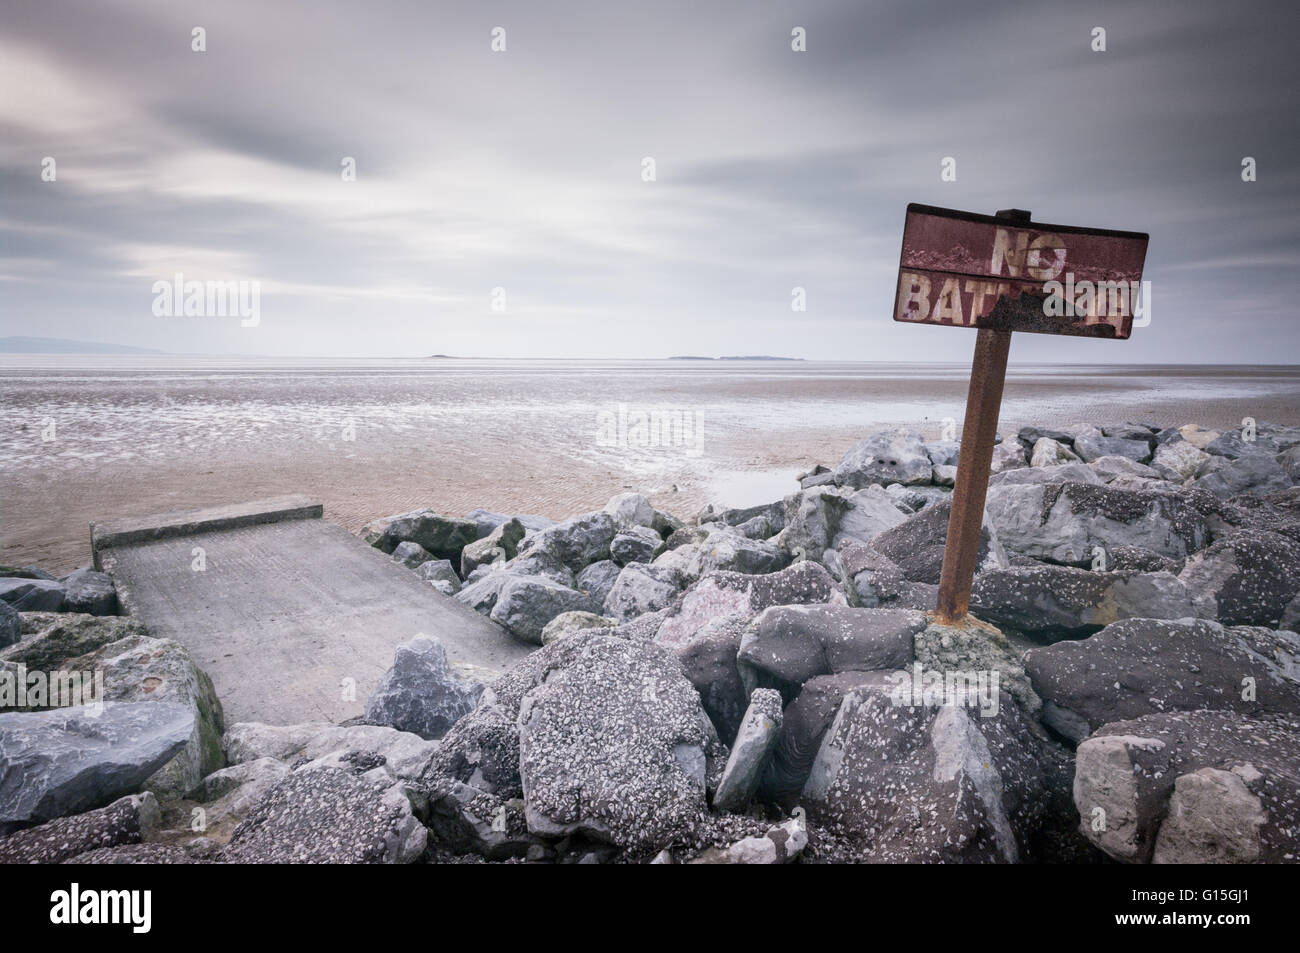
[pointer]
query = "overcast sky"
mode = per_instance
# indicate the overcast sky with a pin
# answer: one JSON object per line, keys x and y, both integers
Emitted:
{"x": 523, "y": 170}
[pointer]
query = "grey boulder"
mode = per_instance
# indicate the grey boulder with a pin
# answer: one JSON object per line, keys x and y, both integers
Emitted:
{"x": 421, "y": 693}
{"x": 645, "y": 791}
{"x": 69, "y": 760}
{"x": 526, "y": 603}
{"x": 1140, "y": 666}
{"x": 1191, "y": 787}
{"x": 887, "y": 456}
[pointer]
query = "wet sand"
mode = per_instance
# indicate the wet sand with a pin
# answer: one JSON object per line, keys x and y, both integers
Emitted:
{"x": 496, "y": 437}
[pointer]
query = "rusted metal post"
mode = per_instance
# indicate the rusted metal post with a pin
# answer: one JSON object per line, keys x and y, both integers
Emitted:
{"x": 988, "y": 372}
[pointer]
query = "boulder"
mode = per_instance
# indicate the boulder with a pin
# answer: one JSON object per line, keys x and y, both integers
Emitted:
{"x": 441, "y": 574}
{"x": 640, "y": 588}
{"x": 631, "y": 509}
{"x": 1054, "y": 602}
{"x": 32, "y": 595}
{"x": 1254, "y": 474}
{"x": 421, "y": 693}
{"x": 943, "y": 453}
{"x": 787, "y": 645}
{"x": 230, "y": 794}
{"x": 526, "y": 603}
{"x": 804, "y": 724}
{"x": 916, "y": 545}
{"x": 709, "y": 660}
{"x": 954, "y": 787}
{"x": 69, "y": 760}
{"x": 887, "y": 456}
{"x": 481, "y": 594}
{"x": 486, "y": 521}
{"x": 1063, "y": 523}
{"x": 1139, "y": 666}
{"x": 1089, "y": 449}
{"x": 161, "y": 671}
{"x": 1049, "y": 453}
{"x": 598, "y": 579}
{"x": 1008, "y": 455}
{"x": 755, "y": 740}
{"x": 1065, "y": 473}
{"x": 443, "y": 536}
{"x": 125, "y": 821}
{"x": 1191, "y": 787}
{"x": 500, "y": 544}
{"x": 1028, "y": 436}
{"x": 1245, "y": 578}
{"x": 636, "y": 544}
{"x": 1131, "y": 431}
{"x": 329, "y": 816}
{"x": 464, "y": 819}
{"x": 870, "y": 579}
{"x": 644, "y": 792}
{"x": 411, "y": 555}
{"x": 728, "y": 551}
{"x": 1178, "y": 460}
{"x": 576, "y": 543}
{"x": 404, "y": 755}
{"x": 86, "y": 590}
{"x": 1110, "y": 468}
{"x": 566, "y": 623}
{"x": 725, "y": 593}
{"x": 56, "y": 637}
{"x": 773, "y": 512}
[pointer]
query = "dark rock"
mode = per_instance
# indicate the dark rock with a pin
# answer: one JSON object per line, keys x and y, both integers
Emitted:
{"x": 124, "y": 821}
{"x": 526, "y": 603}
{"x": 498, "y": 546}
{"x": 420, "y": 693}
{"x": 33, "y": 595}
{"x": 726, "y": 593}
{"x": 916, "y": 546}
{"x": 328, "y": 816}
{"x": 916, "y": 783}
{"x": 1065, "y": 602}
{"x": 787, "y": 645}
{"x": 86, "y": 590}
{"x": 68, "y": 760}
{"x": 749, "y": 755}
{"x": 1245, "y": 578}
{"x": 1192, "y": 787}
{"x": 1140, "y": 666}
{"x": 646, "y": 791}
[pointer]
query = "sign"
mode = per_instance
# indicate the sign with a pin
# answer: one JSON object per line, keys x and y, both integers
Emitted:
{"x": 1001, "y": 273}
{"x": 980, "y": 271}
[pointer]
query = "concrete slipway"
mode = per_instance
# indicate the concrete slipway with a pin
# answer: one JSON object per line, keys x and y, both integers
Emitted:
{"x": 287, "y": 607}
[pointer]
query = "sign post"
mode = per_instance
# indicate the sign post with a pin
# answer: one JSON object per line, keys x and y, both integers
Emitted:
{"x": 1000, "y": 274}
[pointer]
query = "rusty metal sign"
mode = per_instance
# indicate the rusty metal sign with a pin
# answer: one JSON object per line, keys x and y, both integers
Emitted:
{"x": 961, "y": 269}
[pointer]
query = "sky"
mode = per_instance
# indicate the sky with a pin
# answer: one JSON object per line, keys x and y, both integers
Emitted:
{"x": 523, "y": 170}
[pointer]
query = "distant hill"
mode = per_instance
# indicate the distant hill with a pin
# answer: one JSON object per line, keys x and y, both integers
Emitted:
{"x": 28, "y": 345}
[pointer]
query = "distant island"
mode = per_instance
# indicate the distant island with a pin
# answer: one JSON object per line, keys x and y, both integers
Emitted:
{"x": 729, "y": 357}
{"x": 30, "y": 345}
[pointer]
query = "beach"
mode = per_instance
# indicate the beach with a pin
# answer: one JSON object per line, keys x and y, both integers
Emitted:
{"x": 87, "y": 438}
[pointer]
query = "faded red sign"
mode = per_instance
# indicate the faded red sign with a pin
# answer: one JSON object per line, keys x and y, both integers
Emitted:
{"x": 978, "y": 271}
